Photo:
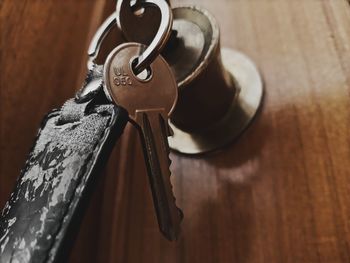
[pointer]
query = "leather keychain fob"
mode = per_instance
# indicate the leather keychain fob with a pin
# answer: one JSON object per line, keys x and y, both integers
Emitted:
{"x": 39, "y": 222}
{"x": 45, "y": 208}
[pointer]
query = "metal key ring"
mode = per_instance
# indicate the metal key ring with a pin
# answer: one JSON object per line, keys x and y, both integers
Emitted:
{"x": 146, "y": 58}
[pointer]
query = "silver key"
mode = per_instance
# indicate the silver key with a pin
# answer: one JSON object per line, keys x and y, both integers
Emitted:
{"x": 149, "y": 98}
{"x": 133, "y": 15}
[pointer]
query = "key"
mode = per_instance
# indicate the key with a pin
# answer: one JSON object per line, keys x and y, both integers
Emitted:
{"x": 133, "y": 15}
{"x": 149, "y": 99}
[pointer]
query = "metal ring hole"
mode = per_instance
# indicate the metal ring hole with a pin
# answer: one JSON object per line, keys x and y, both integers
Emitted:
{"x": 145, "y": 75}
{"x": 137, "y": 9}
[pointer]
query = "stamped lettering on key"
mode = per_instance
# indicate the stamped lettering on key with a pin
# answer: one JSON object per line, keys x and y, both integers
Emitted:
{"x": 120, "y": 77}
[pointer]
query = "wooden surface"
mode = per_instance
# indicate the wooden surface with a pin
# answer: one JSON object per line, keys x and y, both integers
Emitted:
{"x": 280, "y": 194}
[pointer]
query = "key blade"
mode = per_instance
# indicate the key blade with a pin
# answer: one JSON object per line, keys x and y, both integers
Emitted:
{"x": 154, "y": 133}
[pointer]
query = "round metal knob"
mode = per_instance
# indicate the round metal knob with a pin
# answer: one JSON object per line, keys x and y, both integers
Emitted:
{"x": 220, "y": 90}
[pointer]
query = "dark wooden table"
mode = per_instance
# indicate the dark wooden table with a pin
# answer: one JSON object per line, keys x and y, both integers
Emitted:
{"x": 280, "y": 194}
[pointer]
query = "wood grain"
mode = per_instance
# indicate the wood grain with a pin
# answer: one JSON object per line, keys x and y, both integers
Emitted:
{"x": 280, "y": 194}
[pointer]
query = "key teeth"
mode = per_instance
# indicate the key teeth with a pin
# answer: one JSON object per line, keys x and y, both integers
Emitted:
{"x": 169, "y": 130}
{"x": 173, "y": 236}
{"x": 170, "y": 162}
{"x": 172, "y": 188}
{"x": 180, "y": 213}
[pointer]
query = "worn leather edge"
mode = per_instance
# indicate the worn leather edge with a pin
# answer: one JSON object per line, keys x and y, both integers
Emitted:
{"x": 68, "y": 231}
{"x": 69, "y": 225}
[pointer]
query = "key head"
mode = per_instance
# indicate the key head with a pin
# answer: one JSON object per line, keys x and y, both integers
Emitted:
{"x": 158, "y": 90}
{"x": 131, "y": 18}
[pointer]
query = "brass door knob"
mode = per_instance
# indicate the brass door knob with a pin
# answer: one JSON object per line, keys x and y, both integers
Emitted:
{"x": 220, "y": 90}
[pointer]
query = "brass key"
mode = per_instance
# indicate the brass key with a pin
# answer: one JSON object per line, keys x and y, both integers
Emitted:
{"x": 149, "y": 98}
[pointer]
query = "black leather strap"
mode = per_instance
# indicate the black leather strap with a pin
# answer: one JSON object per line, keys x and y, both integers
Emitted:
{"x": 72, "y": 145}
